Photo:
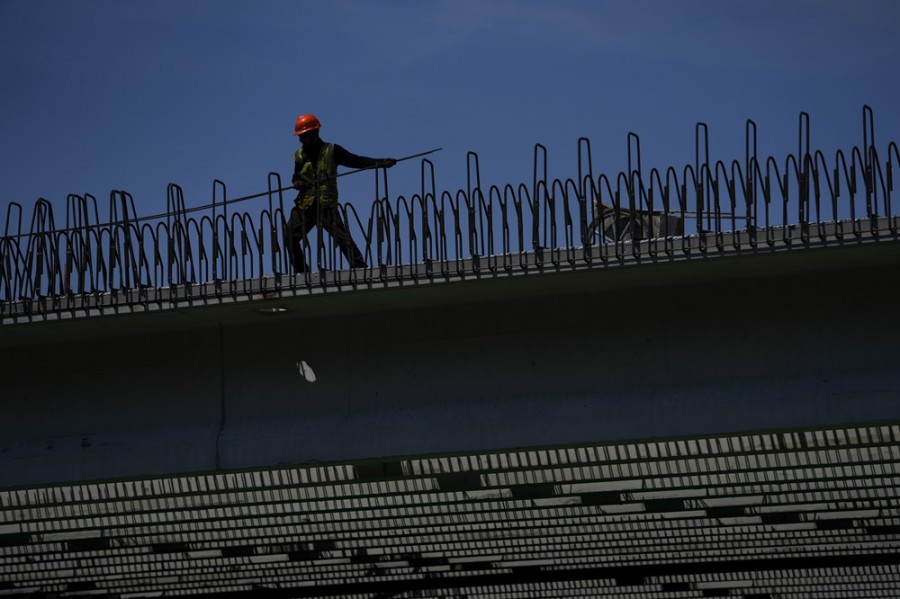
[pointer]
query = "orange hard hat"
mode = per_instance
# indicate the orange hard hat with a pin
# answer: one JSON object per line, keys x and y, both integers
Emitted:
{"x": 306, "y": 122}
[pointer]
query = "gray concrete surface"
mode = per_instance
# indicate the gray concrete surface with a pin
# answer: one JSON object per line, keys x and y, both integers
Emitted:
{"x": 781, "y": 340}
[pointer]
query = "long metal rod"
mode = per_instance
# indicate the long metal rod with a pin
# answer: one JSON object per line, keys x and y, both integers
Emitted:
{"x": 344, "y": 174}
{"x": 289, "y": 187}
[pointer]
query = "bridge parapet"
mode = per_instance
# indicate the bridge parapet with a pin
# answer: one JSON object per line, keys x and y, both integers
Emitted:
{"x": 218, "y": 254}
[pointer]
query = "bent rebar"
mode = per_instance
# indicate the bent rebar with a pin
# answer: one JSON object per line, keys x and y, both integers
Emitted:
{"x": 442, "y": 232}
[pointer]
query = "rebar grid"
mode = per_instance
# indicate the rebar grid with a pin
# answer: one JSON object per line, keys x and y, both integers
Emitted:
{"x": 596, "y": 219}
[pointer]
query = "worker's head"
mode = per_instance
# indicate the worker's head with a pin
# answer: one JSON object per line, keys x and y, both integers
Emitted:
{"x": 307, "y": 127}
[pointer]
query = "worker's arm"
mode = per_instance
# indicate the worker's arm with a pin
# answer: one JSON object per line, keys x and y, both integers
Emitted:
{"x": 343, "y": 157}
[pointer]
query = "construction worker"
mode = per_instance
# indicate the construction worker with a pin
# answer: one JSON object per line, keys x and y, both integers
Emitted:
{"x": 315, "y": 171}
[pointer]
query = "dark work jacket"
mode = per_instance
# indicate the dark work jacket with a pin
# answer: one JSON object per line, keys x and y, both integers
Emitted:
{"x": 342, "y": 157}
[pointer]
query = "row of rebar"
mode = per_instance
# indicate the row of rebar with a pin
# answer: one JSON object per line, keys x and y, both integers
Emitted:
{"x": 434, "y": 232}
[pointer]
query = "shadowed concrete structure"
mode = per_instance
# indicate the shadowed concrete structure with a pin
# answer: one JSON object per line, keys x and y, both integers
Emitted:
{"x": 780, "y": 340}
{"x": 527, "y": 393}
{"x": 678, "y": 383}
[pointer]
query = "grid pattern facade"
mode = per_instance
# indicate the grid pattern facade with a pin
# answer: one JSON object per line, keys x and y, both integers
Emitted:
{"x": 811, "y": 513}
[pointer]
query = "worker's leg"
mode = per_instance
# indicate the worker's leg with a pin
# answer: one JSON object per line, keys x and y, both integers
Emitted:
{"x": 295, "y": 234}
{"x": 340, "y": 235}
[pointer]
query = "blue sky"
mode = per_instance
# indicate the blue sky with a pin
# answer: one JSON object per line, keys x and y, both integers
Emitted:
{"x": 100, "y": 95}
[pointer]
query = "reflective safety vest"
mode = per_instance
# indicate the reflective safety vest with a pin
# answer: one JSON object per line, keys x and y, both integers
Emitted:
{"x": 326, "y": 170}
